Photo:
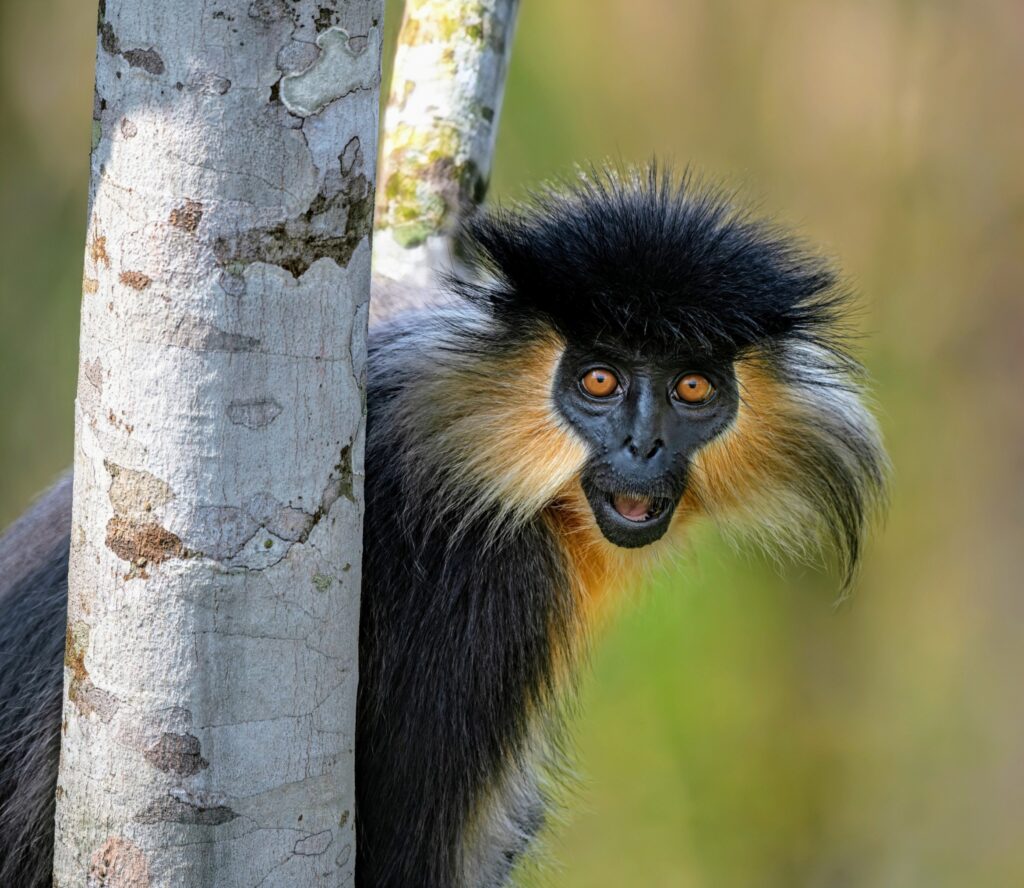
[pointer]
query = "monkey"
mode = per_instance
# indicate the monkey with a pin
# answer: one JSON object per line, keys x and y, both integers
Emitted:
{"x": 617, "y": 357}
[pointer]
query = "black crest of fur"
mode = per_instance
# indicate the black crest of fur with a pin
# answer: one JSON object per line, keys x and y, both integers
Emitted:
{"x": 645, "y": 258}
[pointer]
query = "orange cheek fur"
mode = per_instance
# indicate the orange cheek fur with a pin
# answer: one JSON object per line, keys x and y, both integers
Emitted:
{"x": 751, "y": 455}
{"x": 521, "y": 454}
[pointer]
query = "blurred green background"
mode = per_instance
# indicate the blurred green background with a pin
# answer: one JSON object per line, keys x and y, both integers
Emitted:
{"x": 739, "y": 729}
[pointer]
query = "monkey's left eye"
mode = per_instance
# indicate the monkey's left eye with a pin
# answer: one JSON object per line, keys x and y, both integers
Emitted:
{"x": 693, "y": 388}
{"x": 600, "y": 383}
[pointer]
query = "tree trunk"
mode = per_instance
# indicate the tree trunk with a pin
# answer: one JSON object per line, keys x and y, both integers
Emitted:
{"x": 215, "y": 560}
{"x": 439, "y": 134}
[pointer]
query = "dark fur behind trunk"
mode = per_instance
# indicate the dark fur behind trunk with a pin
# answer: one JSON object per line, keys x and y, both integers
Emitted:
{"x": 33, "y": 607}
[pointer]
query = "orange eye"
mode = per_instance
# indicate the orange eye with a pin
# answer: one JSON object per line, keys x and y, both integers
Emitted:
{"x": 694, "y": 389}
{"x": 600, "y": 383}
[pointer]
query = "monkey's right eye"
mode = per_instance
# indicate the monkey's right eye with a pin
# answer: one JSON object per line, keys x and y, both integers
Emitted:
{"x": 600, "y": 383}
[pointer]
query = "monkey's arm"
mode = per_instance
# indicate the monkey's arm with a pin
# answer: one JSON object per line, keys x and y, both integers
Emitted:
{"x": 33, "y": 605}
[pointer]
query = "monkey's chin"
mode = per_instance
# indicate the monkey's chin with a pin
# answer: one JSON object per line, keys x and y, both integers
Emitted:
{"x": 630, "y": 521}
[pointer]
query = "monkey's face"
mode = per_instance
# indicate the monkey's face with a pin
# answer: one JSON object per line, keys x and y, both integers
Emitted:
{"x": 643, "y": 417}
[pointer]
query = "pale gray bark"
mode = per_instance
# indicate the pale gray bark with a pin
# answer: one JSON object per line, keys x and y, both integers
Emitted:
{"x": 439, "y": 133}
{"x": 215, "y": 568}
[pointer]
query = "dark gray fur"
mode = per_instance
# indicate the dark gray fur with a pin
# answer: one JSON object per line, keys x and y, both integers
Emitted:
{"x": 33, "y": 606}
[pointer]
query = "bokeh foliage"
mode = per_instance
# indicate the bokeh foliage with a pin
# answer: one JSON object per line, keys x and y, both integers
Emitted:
{"x": 739, "y": 730}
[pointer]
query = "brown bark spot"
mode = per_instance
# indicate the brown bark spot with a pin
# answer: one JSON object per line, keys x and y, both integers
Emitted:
{"x": 147, "y": 59}
{"x": 119, "y": 422}
{"x": 343, "y": 472}
{"x": 118, "y": 863}
{"x": 98, "y": 251}
{"x": 137, "y": 280}
{"x": 87, "y": 698}
{"x": 179, "y": 810}
{"x": 108, "y": 39}
{"x": 177, "y": 753}
{"x": 93, "y": 371}
{"x": 90, "y": 285}
{"x": 187, "y": 216}
{"x": 141, "y": 542}
{"x": 76, "y": 643}
{"x": 90, "y": 700}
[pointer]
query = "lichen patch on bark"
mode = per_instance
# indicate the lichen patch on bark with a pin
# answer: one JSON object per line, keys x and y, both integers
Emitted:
{"x": 134, "y": 491}
{"x": 425, "y": 24}
{"x": 296, "y": 244}
{"x": 346, "y": 63}
{"x": 429, "y": 183}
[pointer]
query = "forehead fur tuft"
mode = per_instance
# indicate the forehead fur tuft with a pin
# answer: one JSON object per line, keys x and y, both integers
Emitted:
{"x": 643, "y": 257}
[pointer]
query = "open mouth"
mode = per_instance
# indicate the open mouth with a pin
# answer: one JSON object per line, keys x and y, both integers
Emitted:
{"x": 629, "y": 519}
{"x": 639, "y": 509}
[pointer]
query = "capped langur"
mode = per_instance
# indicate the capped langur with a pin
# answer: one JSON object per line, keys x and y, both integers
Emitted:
{"x": 619, "y": 358}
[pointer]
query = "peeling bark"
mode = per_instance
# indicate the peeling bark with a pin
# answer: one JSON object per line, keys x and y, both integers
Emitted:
{"x": 439, "y": 134}
{"x": 210, "y": 670}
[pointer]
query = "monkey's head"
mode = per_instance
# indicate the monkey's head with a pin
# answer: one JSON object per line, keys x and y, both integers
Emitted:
{"x": 644, "y": 354}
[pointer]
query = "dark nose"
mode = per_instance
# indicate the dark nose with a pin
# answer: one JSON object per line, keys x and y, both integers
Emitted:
{"x": 642, "y": 449}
